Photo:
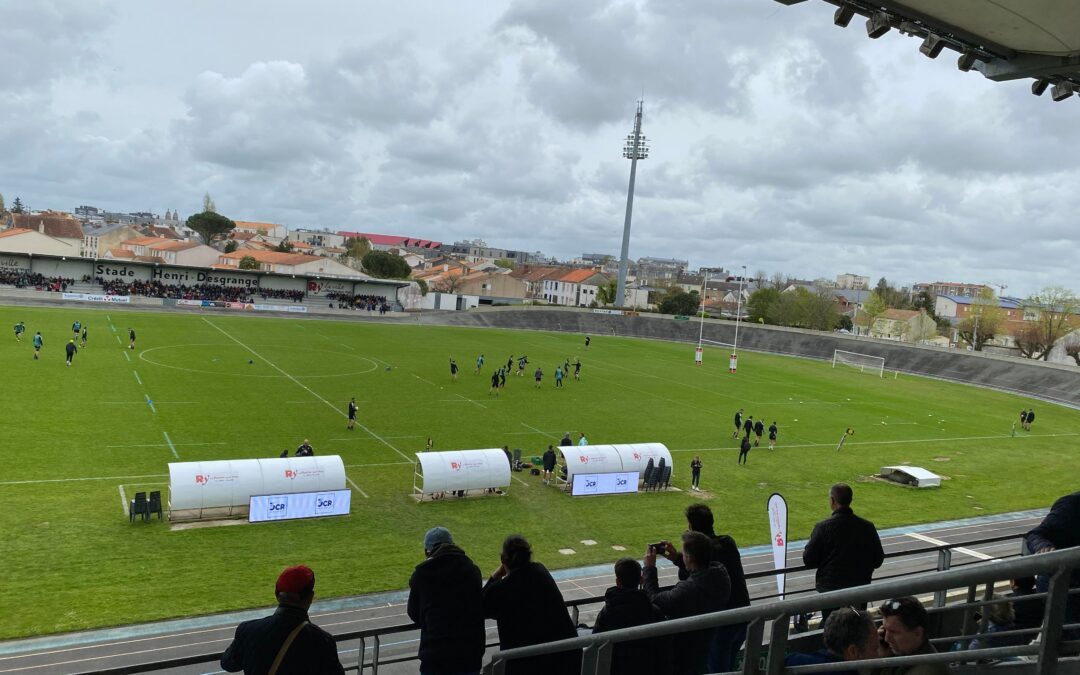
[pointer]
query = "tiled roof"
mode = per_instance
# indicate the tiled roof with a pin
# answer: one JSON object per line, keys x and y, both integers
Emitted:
{"x": 14, "y": 231}
{"x": 54, "y": 226}
{"x": 255, "y": 226}
{"x": 145, "y": 241}
{"x": 393, "y": 240}
{"x": 577, "y": 276}
{"x": 899, "y": 314}
{"x": 172, "y": 245}
{"x": 275, "y": 257}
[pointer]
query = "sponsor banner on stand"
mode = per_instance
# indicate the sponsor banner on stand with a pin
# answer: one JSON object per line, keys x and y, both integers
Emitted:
{"x": 280, "y": 308}
{"x": 778, "y": 520}
{"x": 607, "y": 311}
{"x": 93, "y": 297}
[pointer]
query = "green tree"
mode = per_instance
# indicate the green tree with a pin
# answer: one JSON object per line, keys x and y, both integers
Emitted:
{"x": 210, "y": 225}
{"x": 249, "y": 263}
{"x": 357, "y": 247}
{"x": 818, "y": 309}
{"x": 17, "y": 206}
{"x": 423, "y": 286}
{"x": 984, "y": 320}
{"x": 871, "y": 309}
{"x": 284, "y": 247}
{"x": 760, "y": 303}
{"x": 605, "y": 295}
{"x": 505, "y": 263}
{"x": 1054, "y": 310}
{"x": 678, "y": 301}
{"x": 231, "y": 246}
{"x": 893, "y": 297}
{"x": 385, "y": 265}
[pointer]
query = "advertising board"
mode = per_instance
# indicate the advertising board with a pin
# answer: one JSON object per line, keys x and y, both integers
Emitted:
{"x": 295, "y": 505}
{"x": 604, "y": 483}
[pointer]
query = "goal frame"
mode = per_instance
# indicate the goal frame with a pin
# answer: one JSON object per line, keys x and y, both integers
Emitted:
{"x": 864, "y": 362}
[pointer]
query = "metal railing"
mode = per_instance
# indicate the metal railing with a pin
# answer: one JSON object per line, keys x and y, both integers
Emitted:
{"x": 1058, "y": 565}
{"x": 371, "y": 639}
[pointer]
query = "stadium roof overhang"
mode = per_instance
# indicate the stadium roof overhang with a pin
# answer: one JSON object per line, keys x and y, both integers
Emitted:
{"x": 1002, "y": 39}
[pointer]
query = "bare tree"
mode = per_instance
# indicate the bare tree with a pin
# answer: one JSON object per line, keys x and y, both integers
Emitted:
{"x": 447, "y": 283}
{"x": 1029, "y": 341}
{"x": 1055, "y": 309}
{"x": 208, "y": 204}
{"x": 1073, "y": 351}
{"x": 984, "y": 320}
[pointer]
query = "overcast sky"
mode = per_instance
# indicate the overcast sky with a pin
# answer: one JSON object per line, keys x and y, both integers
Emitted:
{"x": 779, "y": 141}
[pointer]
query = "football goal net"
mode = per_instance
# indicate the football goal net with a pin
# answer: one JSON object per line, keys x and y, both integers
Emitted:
{"x": 864, "y": 362}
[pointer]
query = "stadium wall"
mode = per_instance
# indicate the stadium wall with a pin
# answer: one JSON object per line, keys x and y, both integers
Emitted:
{"x": 1047, "y": 381}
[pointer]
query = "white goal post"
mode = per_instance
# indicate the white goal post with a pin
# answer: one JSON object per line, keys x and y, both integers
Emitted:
{"x": 864, "y": 362}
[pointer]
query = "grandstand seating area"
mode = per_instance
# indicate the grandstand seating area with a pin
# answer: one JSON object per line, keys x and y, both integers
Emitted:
{"x": 20, "y": 279}
{"x": 215, "y": 292}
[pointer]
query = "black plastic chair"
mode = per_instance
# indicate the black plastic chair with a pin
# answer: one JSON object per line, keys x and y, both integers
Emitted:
{"x": 139, "y": 507}
{"x": 665, "y": 477}
{"x": 649, "y": 468}
{"x": 154, "y": 505}
{"x": 517, "y": 459}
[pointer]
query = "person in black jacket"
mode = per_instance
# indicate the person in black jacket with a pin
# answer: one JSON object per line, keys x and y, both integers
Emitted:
{"x": 527, "y": 606}
{"x": 744, "y": 450}
{"x": 724, "y": 550}
{"x": 258, "y": 643}
{"x": 549, "y": 464}
{"x": 626, "y": 606}
{"x": 444, "y": 600}
{"x": 844, "y": 548}
{"x": 706, "y": 589}
{"x": 1059, "y": 529}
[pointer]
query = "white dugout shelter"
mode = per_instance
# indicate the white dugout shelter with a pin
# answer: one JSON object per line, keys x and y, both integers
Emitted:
{"x": 460, "y": 471}
{"x": 223, "y": 489}
{"x": 623, "y": 458}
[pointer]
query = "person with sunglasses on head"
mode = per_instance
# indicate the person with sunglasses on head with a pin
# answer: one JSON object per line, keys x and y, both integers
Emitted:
{"x": 848, "y": 635}
{"x": 904, "y": 632}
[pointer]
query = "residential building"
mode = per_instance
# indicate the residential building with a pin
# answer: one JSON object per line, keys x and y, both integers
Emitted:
{"x": 99, "y": 236}
{"x": 171, "y": 251}
{"x": 493, "y": 286}
{"x": 290, "y": 263}
{"x": 477, "y": 250}
{"x": 955, "y": 308}
{"x": 653, "y": 270}
{"x": 273, "y": 230}
{"x": 534, "y": 278}
{"x": 852, "y": 281}
{"x": 385, "y": 242}
{"x": 23, "y": 240}
{"x": 55, "y": 224}
{"x": 937, "y": 288}
{"x": 904, "y": 325}
{"x": 573, "y": 288}
{"x": 318, "y": 238}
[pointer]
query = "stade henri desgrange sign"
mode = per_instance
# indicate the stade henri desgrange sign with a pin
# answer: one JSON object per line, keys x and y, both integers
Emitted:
{"x": 172, "y": 277}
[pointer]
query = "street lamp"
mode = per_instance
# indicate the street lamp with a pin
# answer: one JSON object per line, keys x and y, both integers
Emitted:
{"x": 635, "y": 147}
{"x": 738, "y": 314}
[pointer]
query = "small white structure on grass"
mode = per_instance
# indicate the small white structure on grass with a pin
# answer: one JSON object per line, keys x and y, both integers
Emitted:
{"x": 450, "y": 471}
{"x": 622, "y": 458}
{"x": 223, "y": 489}
{"x": 911, "y": 475}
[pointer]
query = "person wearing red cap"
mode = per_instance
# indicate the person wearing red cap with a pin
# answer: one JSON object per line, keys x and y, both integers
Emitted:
{"x": 284, "y": 643}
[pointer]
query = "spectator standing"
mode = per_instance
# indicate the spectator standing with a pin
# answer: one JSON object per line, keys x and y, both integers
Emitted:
{"x": 844, "y": 548}
{"x": 285, "y": 641}
{"x": 1059, "y": 529}
{"x": 549, "y": 464}
{"x": 626, "y": 606}
{"x": 527, "y": 606}
{"x": 904, "y": 630}
{"x": 566, "y": 441}
{"x": 723, "y": 550}
{"x": 849, "y": 635}
{"x": 707, "y": 588}
{"x": 444, "y": 600}
{"x": 695, "y": 473}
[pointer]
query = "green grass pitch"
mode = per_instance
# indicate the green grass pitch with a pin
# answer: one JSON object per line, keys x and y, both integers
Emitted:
{"x": 74, "y": 438}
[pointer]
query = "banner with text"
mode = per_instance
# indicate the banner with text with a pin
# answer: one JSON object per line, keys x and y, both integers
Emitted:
{"x": 91, "y": 297}
{"x": 778, "y": 517}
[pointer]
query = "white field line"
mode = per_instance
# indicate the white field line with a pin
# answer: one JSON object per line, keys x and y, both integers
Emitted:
{"x": 126, "y": 356}
{"x": 896, "y": 442}
{"x": 118, "y": 340}
{"x": 476, "y": 403}
{"x": 113, "y": 327}
{"x": 346, "y": 346}
{"x": 351, "y": 466}
{"x": 306, "y": 388}
{"x": 136, "y": 373}
{"x": 519, "y": 480}
{"x": 171, "y": 446}
{"x": 357, "y": 487}
{"x": 959, "y": 549}
{"x": 537, "y": 431}
{"x": 161, "y": 445}
{"x": 150, "y": 403}
{"x": 72, "y": 480}
{"x": 424, "y": 379}
{"x": 123, "y": 499}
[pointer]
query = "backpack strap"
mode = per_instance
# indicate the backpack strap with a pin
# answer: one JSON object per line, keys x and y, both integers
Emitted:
{"x": 285, "y": 647}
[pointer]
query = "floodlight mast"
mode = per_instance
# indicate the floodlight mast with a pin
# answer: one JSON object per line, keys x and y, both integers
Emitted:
{"x": 635, "y": 148}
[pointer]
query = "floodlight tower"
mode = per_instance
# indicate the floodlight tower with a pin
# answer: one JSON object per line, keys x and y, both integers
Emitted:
{"x": 635, "y": 148}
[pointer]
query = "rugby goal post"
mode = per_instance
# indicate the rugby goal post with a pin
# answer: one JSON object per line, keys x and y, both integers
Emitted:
{"x": 864, "y": 362}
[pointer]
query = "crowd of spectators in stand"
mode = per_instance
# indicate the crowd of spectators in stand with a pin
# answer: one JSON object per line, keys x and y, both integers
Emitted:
{"x": 371, "y": 303}
{"x": 21, "y": 279}
{"x": 156, "y": 289}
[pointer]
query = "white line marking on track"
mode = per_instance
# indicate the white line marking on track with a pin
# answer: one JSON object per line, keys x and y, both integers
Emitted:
{"x": 136, "y": 373}
{"x": 171, "y": 446}
{"x": 150, "y": 403}
{"x": 959, "y": 549}
{"x": 123, "y": 499}
{"x": 306, "y": 388}
{"x": 126, "y": 356}
{"x": 357, "y": 487}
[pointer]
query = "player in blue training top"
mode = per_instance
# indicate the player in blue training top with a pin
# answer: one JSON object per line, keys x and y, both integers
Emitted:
{"x": 558, "y": 378}
{"x": 37, "y": 345}
{"x": 75, "y": 328}
{"x": 479, "y": 363}
{"x": 20, "y": 328}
